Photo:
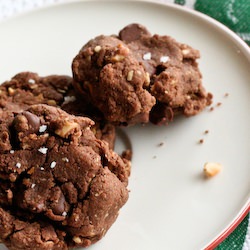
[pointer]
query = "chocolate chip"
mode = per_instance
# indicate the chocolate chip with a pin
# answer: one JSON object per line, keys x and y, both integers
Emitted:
{"x": 133, "y": 32}
{"x": 33, "y": 120}
{"x": 58, "y": 207}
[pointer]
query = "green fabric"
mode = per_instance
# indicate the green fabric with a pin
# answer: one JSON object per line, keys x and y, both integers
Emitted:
{"x": 236, "y": 239}
{"x": 181, "y": 2}
{"x": 233, "y": 13}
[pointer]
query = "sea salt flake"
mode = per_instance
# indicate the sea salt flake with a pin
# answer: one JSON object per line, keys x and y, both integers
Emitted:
{"x": 12, "y": 151}
{"x": 43, "y": 150}
{"x": 42, "y": 128}
{"x": 32, "y": 81}
{"x": 53, "y": 164}
{"x": 64, "y": 213}
{"x": 42, "y": 168}
{"x": 164, "y": 59}
{"x": 147, "y": 56}
{"x": 33, "y": 185}
{"x": 18, "y": 165}
{"x": 68, "y": 99}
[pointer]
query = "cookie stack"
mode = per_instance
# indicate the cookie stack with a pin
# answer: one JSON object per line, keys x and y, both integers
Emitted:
{"x": 61, "y": 183}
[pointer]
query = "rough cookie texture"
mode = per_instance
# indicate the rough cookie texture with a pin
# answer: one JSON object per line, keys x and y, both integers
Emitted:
{"x": 28, "y": 88}
{"x": 136, "y": 77}
{"x": 175, "y": 79}
{"x": 60, "y": 186}
{"x": 106, "y": 69}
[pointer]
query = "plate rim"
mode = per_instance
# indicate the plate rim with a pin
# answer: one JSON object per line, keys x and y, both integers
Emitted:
{"x": 238, "y": 218}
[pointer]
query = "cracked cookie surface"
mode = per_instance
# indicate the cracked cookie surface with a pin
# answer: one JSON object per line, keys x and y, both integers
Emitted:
{"x": 60, "y": 186}
{"x": 137, "y": 77}
{"x": 175, "y": 78}
{"x": 28, "y": 88}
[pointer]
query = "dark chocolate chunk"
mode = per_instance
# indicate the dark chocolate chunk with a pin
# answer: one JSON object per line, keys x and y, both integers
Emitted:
{"x": 33, "y": 121}
{"x": 133, "y": 32}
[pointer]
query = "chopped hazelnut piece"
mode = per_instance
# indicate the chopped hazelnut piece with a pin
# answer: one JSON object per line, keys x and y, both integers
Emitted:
{"x": 77, "y": 240}
{"x": 212, "y": 168}
{"x": 67, "y": 127}
{"x": 51, "y": 102}
{"x": 97, "y": 48}
{"x": 130, "y": 75}
{"x": 147, "y": 79}
{"x": 33, "y": 86}
{"x": 117, "y": 58}
{"x": 11, "y": 91}
{"x": 185, "y": 51}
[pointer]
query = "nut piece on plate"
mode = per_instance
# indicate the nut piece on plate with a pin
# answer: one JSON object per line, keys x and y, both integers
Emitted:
{"x": 28, "y": 88}
{"x": 212, "y": 168}
{"x": 60, "y": 186}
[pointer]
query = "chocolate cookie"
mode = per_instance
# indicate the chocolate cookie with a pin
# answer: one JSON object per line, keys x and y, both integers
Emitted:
{"x": 60, "y": 186}
{"x": 135, "y": 76}
{"x": 109, "y": 73}
{"x": 175, "y": 79}
{"x": 28, "y": 88}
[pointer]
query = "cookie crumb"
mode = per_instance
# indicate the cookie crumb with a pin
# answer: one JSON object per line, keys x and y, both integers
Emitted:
{"x": 160, "y": 144}
{"x": 211, "y": 109}
{"x": 226, "y": 94}
{"x": 18, "y": 165}
{"x": 206, "y": 131}
{"x": 53, "y": 164}
{"x": 154, "y": 157}
{"x": 218, "y": 104}
{"x": 42, "y": 128}
{"x": 43, "y": 150}
{"x": 201, "y": 141}
{"x": 212, "y": 168}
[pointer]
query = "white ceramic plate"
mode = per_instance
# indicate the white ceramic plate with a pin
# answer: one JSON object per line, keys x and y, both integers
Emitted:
{"x": 171, "y": 205}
